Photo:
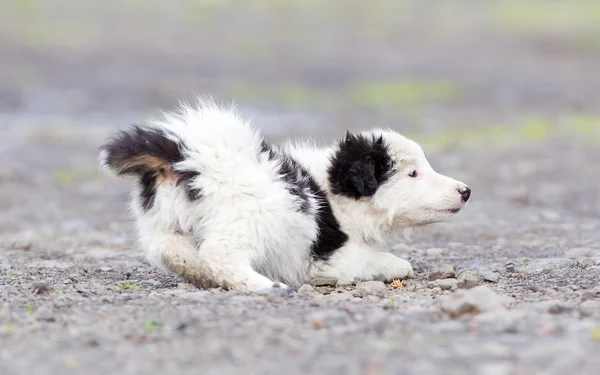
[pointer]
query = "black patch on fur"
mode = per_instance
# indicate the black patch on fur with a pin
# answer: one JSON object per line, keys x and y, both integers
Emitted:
{"x": 359, "y": 166}
{"x": 330, "y": 236}
{"x": 185, "y": 179}
{"x": 148, "y": 189}
{"x": 147, "y": 154}
{"x": 140, "y": 142}
{"x": 297, "y": 180}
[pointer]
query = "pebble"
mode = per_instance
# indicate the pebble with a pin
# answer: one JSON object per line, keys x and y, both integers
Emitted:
{"x": 549, "y": 264}
{"x": 447, "y": 284}
{"x": 106, "y": 269}
{"x": 492, "y": 277}
{"x": 324, "y": 281}
{"x": 305, "y": 290}
{"x": 443, "y": 272}
{"x": 469, "y": 279}
{"x": 367, "y": 288}
{"x": 586, "y": 263}
{"x": 510, "y": 268}
{"x": 473, "y": 301}
{"x": 21, "y": 245}
{"x": 41, "y": 288}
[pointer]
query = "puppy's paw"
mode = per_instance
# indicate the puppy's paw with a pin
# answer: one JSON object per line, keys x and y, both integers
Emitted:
{"x": 396, "y": 268}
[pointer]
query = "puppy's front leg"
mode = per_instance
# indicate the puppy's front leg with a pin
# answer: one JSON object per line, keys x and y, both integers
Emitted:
{"x": 353, "y": 263}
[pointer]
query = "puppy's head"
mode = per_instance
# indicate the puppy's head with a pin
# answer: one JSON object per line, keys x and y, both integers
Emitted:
{"x": 391, "y": 175}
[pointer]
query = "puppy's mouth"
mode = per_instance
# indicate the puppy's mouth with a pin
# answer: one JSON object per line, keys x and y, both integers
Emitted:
{"x": 445, "y": 211}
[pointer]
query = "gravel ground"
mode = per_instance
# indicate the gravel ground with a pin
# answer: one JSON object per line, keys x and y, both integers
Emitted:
{"x": 511, "y": 286}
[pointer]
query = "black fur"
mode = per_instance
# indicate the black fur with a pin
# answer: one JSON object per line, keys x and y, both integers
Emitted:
{"x": 127, "y": 146}
{"x": 359, "y": 166}
{"x": 294, "y": 175}
{"x": 148, "y": 188}
{"x": 185, "y": 179}
{"x": 137, "y": 142}
{"x": 330, "y": 237}
{"x": 297, "y": 180}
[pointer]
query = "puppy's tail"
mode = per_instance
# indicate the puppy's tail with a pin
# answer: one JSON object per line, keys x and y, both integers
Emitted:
{"x": 147, "y": 154}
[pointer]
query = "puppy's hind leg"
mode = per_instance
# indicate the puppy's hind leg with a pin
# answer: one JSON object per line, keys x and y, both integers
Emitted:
{"x": 210, "y": 265}
{"x": 231, "y": 266}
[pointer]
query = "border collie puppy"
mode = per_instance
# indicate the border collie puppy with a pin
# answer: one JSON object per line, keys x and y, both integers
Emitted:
{"x": 218, "y": 205}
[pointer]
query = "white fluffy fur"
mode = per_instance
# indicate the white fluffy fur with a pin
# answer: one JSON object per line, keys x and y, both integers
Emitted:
{"x": 245, "y": 232}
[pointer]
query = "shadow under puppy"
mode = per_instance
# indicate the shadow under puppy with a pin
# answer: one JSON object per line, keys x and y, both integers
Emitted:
{"x": 218, "y": 205}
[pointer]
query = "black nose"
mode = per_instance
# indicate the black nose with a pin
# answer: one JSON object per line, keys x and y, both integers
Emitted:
{"x": 465, "y": 194}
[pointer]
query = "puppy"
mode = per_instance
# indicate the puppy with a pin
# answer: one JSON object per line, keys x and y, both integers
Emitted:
{"x": 218, "y": 205}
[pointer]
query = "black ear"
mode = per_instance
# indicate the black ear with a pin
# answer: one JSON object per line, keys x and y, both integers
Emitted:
{"x": 361, "y": 177}
{"x": 359, "y": 166}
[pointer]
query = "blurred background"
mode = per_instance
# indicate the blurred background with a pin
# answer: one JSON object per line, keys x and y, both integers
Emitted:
{"x": 455, "y": 75}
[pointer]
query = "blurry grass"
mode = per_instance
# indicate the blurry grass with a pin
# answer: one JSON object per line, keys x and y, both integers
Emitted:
{"x": 70, "y": 176}
{"x": 389, "y": 95}
{"x": 393, "y": 94}
{"x": 586, "y": 127}
{"x": 549, "y": 15}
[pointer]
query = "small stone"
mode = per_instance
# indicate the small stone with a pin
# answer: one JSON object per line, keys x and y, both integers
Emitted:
{"x": 21, "y": 245}
{"x": 323, "y": 281}
{"x": 444, "y": 272}
{"x": 586, "y": 263}
{"x": 469, "y": 279}
{"x": 432, "y": 284}
{"x": 41, "y": 288}
{"x": 68, "y": 281}
{"x": 549, "y": 264}
{"x": 376, "y": 288}
{"x": 510, "y": 268}
{"x": 471, "y": 302}
{"x": 447, "y": 284}
{"x": 105, "y": 269}
{"x": 492, "y": 277}
{"x": 534, "y": 288}
{"x": 305, "y": 290}
{"x": 591, "y": 293}
{"x": 434, "y": 252}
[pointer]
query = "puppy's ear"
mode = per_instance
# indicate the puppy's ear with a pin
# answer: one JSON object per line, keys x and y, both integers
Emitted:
{"x": 361, "y": 177}
{"x": 359, "y": 166}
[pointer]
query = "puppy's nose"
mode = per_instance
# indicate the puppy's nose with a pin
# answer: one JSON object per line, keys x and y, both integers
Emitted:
{"x": 465, "y": 193}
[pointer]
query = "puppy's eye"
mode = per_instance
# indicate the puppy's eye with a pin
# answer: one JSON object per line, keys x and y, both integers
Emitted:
{"x": 412, "y": 174}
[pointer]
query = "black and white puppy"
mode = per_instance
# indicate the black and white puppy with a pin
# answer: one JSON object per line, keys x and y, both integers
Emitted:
{"x": 218, "y": 205}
